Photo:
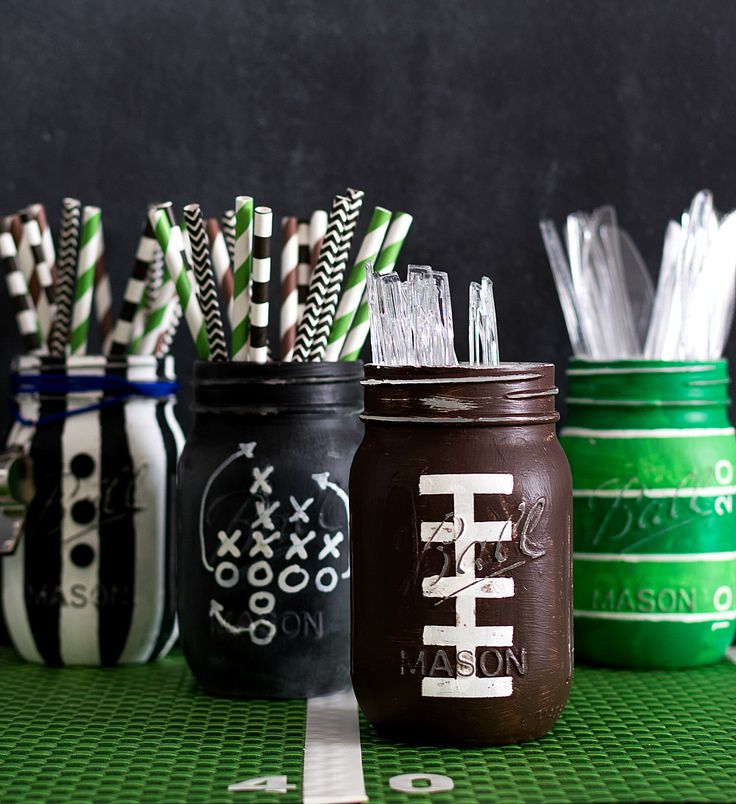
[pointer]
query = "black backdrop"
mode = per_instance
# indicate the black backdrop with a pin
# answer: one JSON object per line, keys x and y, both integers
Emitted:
{"x": 477, "y": 117}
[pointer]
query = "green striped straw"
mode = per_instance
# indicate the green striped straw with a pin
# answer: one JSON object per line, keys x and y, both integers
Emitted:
{"x": 90, "y": 248}
{"x": 157, "y": 320}
{"x": 169, "y": 238}
{"x": 385, "y": 262}
{"x": 242, "y": 277}
{"x": 355, "y": 285}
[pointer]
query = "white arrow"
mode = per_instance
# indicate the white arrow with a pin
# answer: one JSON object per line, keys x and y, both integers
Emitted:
{"x": 322, "y": 479}
{"x": 244, "y": 451}
{"x": 216, "y": 610}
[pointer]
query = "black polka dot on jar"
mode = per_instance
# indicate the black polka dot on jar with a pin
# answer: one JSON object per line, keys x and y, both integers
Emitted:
{"x": 83, "y": 512}
{"x": 82, "y": 555}
{"x": 82, "y": 465}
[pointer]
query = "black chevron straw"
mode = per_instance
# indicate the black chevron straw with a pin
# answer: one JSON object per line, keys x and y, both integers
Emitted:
{"x": 332, "y": 296}
{"x": 205, "y": 277}
{"x": 320, "y": 281}
{"x": 66, "y": 266}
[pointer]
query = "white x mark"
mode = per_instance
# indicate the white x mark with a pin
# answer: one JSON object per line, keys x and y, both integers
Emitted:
{"x": 227, "y": 544}
{"x": 261, "y": 544}
{"x": 331, "y": 545}
{"x": 299, "y": 510}
{"x": 260, "y": 480}
{"x": 264, "y": 514}
{"x": 298, "y": 545}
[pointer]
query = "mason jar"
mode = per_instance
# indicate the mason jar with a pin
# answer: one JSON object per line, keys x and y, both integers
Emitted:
{"x": 264, "y": 569}
{"x": 460, "y": 516}
{"x": 87, "y": 509}
{"x": 652, "y": 453}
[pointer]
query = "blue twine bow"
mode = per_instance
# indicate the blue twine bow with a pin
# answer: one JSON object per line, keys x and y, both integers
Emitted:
{"x": 64, "y": 384}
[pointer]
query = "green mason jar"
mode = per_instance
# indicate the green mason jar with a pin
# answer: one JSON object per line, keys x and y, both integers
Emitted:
{"x": 652, "y": 453}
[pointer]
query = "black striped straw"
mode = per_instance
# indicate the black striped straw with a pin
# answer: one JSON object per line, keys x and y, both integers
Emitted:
{"x": 25, "y": 314}
{"x": 320, "y": 280}
{"x": 259, "y": 305}
{"x": 332, "y": 296}
{"x": 134, "y": 291}
{"x": 66, "y": 267}
{"x": 205, "y": 277}
{"x": 41, "y": 285}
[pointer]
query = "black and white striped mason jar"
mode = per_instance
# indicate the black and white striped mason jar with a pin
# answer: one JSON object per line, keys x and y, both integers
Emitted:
{"x": 90, "y": 579}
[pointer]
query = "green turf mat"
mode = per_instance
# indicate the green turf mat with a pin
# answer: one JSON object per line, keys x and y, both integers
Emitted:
{"x": 147, "y": 734}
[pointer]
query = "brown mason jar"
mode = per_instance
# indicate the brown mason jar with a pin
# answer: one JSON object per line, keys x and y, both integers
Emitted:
{"x": 460, "y": 498}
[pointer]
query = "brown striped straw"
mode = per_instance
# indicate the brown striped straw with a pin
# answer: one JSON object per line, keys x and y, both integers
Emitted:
{"x": 289, "y": 286}
{"x": 221, "y": 264}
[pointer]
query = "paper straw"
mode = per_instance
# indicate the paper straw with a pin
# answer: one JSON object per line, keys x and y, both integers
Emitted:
{"x": 41, "y": 284}
{"x": 387, "y": 259}
{"x": 243, "y": 266}
{"x": 259, "y": 311}
{"x": 169, "y": 330}
{"x": 47, "y": 240}
{"x": 103, "y": 295}
{"x": 157, "y": 321}
{"x": 228, "y": 223}
{"x": 205, "y": 276}
{"x": 332, "y": 297}
{"x": 353, "y": 293}
{"x": 289, "y": 286}
{"x": 135, "y": 290}
{"x": 169, "y": 238}
{"x": 304, "y": 268}
{"x": 68, "y": 253}
{"x": 317, "y": 229}
{"x": 222, "y": 265}
{"x": 25, "y": 314}
{"x": 320, "y": 282}
{"x": 89, "y": 250}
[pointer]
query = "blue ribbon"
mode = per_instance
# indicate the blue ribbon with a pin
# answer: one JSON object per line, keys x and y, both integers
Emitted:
{"x": 64, "y": 384}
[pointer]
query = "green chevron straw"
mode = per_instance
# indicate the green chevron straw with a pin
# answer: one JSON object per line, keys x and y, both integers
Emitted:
{"x": 385, "y": 262}
{"x": 353, "y": 292}
{"x": 242, "y": 277}
{"x": 90, "y": 247}
{"x": 169, "y": 238}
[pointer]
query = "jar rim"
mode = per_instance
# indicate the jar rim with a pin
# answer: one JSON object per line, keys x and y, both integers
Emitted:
{"x": 277, "y": 372}
{"x": 463, "y": 373}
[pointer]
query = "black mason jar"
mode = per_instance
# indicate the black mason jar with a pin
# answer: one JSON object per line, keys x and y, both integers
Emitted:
{"x": 264, "y": 561}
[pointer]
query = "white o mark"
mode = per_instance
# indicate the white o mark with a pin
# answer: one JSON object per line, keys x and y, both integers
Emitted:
{"x": 329, "y": 585}
{"x": 255, "y": 569}
{"x": 723, "y": 598}
{"x": 724, "y": 472}
{"x": 299, "y": 585}
{"x": 261, "y": 602}
{"x": 436, "y": 783}
{"x": 231, "y": 578}
{"x": 267, "y": 637}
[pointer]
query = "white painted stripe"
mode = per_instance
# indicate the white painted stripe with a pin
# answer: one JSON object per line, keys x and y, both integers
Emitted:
{"x": 657, "y": 617}
{"x": 731, "y": 654}
{"x": 664, "y": 432}
{"x": 456, "y": 585}
{"x": 79, "y": 624}
{"x": 482, "y": 531}
{"x": 467, "y": 687}
{"x": 642, "y": 403}
{"x": 489, "y": 636}
{"x": 7, "y": 245}
{"x": 259, "y": 313}
{"x": 593, "y": 372}
{"x": 14, "y": 603}
{"x": 656, "y": 494}
{"x": 147, "y": 248}
{"x": 26, "y": 322}
{"x": 148, "y": 455}
{"x": 333, "y": 763}
{"x": 675, "y": 558}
